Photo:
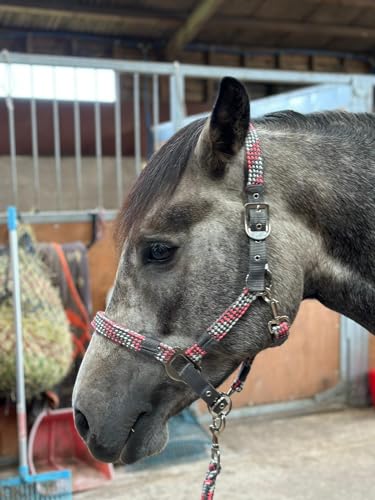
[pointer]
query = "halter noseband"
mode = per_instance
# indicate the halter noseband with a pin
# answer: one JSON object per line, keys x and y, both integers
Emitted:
{"x": 183, "y": 364}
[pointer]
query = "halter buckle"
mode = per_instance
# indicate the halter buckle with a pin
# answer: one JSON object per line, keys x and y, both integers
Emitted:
{"x": 261, "y": 233}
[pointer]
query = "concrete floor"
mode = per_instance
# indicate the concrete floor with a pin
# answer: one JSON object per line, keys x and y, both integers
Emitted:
{"x": 327, "y": 456}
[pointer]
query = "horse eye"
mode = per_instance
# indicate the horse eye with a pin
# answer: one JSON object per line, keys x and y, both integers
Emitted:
{"x": 159, "y": 252}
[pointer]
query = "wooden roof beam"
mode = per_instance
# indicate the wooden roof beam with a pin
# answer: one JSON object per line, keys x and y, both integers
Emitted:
{"x": 193, "y": 24}
{"x": 354, "y": 4}
{"x": 305, "y": 28}
{"x": 71, "y": 11}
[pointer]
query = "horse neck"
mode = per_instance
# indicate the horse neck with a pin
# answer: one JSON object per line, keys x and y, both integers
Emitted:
{"x": 323, "y": 183}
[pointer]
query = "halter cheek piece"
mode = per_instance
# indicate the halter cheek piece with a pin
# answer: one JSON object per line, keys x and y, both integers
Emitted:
{"x": 183, "y": 364}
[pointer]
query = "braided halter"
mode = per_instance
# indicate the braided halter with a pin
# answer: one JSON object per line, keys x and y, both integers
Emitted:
{"x": 183, "y": 364}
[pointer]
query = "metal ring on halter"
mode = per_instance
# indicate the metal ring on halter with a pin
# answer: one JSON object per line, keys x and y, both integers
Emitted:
{"x": 268, "y": 289}
{"x": 172, "y": 372}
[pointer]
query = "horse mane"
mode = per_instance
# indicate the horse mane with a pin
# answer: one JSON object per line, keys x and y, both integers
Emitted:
{"x": 336, "y": 123}
{"x": 159, "y": 178}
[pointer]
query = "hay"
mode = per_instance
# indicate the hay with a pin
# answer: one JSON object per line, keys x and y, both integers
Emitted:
{"x": 46, "y": 334}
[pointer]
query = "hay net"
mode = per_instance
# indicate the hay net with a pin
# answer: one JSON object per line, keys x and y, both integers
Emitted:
{"x": 46, "y": 334}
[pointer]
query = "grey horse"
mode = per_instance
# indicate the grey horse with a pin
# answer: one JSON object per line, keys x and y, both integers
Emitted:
{"x": 184, "y": 257}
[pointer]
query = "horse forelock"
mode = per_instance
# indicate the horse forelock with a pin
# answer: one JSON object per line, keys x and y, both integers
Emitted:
{"x": 158, "y": 179}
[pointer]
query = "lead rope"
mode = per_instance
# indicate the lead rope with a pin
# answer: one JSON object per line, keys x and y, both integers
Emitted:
{"x": 216, "y": 427}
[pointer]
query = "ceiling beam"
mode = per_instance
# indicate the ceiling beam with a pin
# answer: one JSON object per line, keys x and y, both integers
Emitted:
{"x": 354, "y": 4}
{"x": 116, "y": 22}
{"x": 332, "y": 30}
{"x": 204, "y": 10}
{"x": 70, "y": 11}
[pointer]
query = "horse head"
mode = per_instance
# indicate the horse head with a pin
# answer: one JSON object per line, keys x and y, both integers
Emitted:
{"x": 184, "y": 260}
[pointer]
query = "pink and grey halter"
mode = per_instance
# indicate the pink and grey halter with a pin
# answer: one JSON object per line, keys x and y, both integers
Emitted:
{"x": 183, "y": 364}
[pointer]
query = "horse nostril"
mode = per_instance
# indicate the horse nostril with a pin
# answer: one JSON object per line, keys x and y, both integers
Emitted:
{"x": 81, "y": 423}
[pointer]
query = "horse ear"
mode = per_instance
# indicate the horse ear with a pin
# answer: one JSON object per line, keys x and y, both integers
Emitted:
{"x": 230, "y": 117}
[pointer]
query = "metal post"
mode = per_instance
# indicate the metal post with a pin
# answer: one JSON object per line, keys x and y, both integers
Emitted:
{"x": 34, "y": 142}
{"x": 35, "y": 152}
{"x": 362, "y": 95}
{"x": 77, "y": 145}
{"x": 17, "y": 310}
{"x": 11, "y": 128}
{"x": 56, "y": 136}
{"x": 137, "y": 123}
{"x": 98, "y": 149}
{"x": 12, "y": 147}
{"x": 155, "y": 108}
{"x": 118, "y": 140}
{"x": 355, "y": 367}
{"x": 177, "y": 97}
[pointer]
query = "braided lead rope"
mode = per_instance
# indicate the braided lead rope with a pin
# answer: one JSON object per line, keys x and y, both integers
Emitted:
{"x": 280, "y": 332}
{"x": 209, "y": 483}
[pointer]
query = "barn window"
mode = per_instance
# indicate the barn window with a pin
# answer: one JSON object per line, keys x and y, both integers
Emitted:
{"x": 25, "y": 81}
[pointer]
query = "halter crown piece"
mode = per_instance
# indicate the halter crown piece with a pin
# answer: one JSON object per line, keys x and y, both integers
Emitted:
{"x": 182, "y": 365}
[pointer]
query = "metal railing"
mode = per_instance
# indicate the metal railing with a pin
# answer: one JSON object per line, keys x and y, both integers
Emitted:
{"x": 11, "y": 176}
{"x": 95, "y": 180}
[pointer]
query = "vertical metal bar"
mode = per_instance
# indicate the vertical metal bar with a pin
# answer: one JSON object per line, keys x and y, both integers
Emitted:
{"x": 12, "y": 147}
{"x": 355, "y": 369}
{"x": 155, "y": 109}
{"x": 17, "y": 311}
{"x": 118, "y": 140}
{"x": 137, "y": 123}
{"x": 173, "y": 103}
{"x": 77, "y": 144}
{"x": 362, "y": 95}
{"x": 98, "y": 152}
{"x": 177, "y": 98}
{"x": 57, "y": 147}
{"x": 34, "y": 143}
{"x": 98, "y": 149}
{"x": 180, "y": 89}
{"x": 11, "y": 129}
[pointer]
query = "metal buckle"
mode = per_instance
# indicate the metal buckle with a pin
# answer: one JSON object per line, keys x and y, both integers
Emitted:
{"x": 257, "y": 234}
{"x": 172, "y": 372}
